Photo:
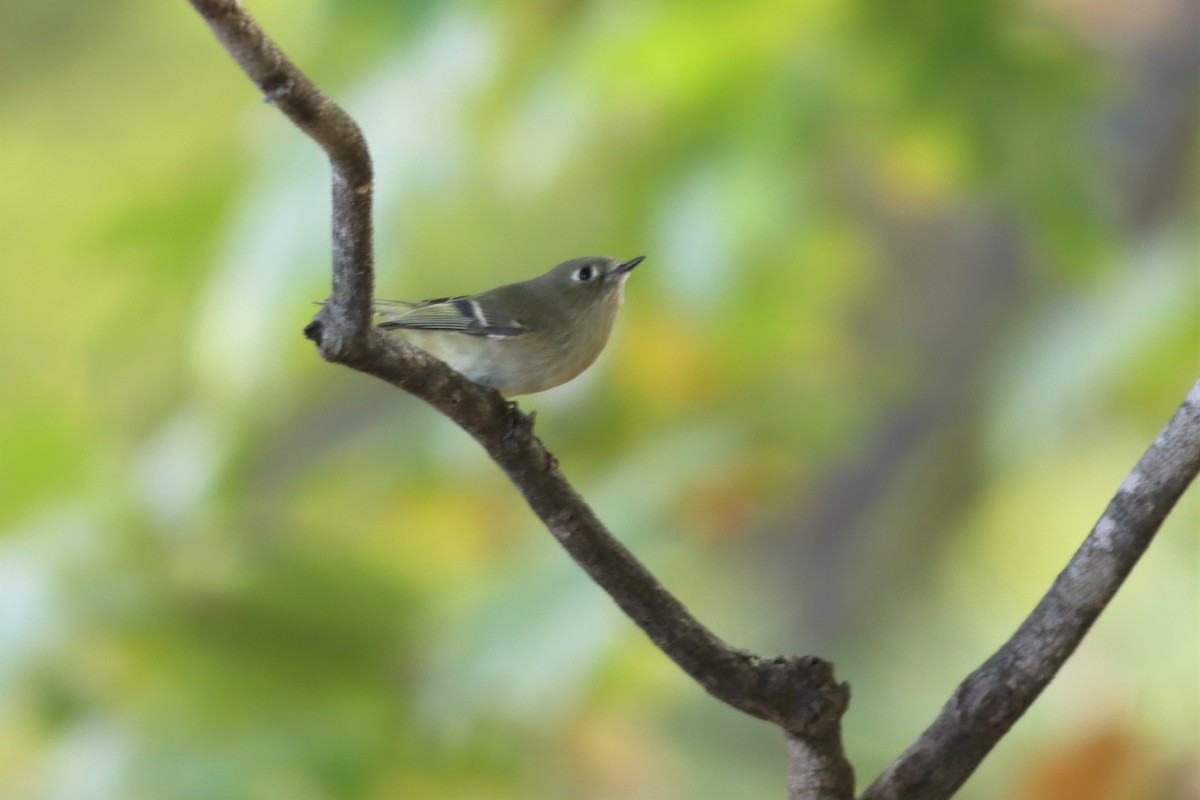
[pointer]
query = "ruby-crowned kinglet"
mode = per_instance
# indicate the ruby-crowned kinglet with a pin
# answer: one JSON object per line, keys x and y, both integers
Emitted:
{"x": 522, "y": 337}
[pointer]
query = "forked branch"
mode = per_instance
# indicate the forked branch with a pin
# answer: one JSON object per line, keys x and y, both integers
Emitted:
{"x": 797, "y": 693}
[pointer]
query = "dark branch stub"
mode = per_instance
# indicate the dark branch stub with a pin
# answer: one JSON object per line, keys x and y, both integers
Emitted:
{"x": 313, "y": 331}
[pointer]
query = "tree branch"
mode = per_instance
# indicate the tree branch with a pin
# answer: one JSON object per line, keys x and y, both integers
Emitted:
{"x": 993, "y": 697}
{"x": 285, "y": 87}
{"x": 797, "y": 693}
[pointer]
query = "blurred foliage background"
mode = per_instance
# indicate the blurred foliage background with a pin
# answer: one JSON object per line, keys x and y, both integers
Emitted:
{"x": 922, "y": 283}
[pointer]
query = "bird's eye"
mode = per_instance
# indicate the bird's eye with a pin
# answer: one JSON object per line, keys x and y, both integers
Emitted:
{"x": 584, "y": 274}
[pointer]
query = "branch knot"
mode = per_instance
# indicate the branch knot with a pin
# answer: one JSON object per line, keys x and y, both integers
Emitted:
{"x": 804, "y": 695}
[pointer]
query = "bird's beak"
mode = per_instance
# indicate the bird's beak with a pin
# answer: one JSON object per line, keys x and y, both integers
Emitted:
{"x": 626, "y": 266}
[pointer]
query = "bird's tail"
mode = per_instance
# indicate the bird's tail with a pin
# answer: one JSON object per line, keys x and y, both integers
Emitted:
{"x": 387, "y": 309}
{"x": 392, "y": 309}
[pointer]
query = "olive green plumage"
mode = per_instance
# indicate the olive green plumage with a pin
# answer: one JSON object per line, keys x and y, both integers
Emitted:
{"x": 522, "y": 337}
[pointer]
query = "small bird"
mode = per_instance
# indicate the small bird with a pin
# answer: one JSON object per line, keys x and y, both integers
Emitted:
{"x": 524, "y": 337}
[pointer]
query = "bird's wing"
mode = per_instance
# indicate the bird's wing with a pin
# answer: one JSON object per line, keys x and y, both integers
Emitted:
{"x": 460, "y": 314}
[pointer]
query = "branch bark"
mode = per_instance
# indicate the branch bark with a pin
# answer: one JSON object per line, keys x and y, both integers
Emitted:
{"x": 348, "y": 312}
{"x": 799, "y": 694}
{"x": 994, "y": 696}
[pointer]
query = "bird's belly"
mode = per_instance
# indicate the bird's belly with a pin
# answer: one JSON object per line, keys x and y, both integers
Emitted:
{"x": 510, "y": 365}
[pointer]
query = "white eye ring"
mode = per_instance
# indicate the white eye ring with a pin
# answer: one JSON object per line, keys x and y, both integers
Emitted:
{"x": 584, "y": 274}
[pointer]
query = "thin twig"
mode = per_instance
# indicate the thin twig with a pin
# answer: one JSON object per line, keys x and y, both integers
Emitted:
{"x": 993, "y": 697}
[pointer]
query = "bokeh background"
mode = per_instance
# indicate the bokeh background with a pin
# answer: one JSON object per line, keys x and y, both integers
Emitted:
{"x": 921, "y": 285}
